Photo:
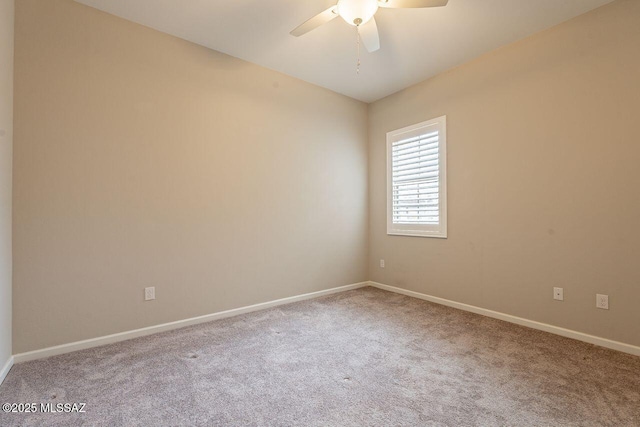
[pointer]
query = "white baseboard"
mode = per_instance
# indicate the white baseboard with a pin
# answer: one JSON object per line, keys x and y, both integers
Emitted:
{"x": 591, "y": 339}
{"x": 5, "y": 369}
{"x": 122, "y": 336}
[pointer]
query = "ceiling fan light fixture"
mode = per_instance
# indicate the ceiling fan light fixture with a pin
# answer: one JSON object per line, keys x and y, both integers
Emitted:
{"x": 357, "y": 12}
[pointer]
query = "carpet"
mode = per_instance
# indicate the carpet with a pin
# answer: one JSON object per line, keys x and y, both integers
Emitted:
{"x": 366, "y": 357}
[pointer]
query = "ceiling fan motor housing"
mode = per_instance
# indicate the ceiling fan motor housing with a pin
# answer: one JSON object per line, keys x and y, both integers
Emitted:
{"x": 357, "y": 12}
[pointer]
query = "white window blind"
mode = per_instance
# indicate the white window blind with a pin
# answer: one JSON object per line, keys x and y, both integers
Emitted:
{"x": 416, "y": 179}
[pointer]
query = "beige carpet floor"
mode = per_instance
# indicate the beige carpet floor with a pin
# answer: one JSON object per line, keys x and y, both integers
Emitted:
{"x": 364, "y": 357}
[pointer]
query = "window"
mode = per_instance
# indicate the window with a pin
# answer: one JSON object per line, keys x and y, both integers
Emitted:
{"x": 417, "y": 180}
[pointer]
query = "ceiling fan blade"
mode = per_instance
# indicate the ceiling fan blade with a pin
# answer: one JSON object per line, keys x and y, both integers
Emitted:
{"x": 401, "y": 4}
{"x": 369, "y": 35}
{"x": 315, "y": 22}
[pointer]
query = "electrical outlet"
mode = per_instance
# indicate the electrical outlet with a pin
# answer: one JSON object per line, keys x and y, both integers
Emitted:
{"x": 558, "y": 293}
{"x": 149, "y": 293}
{"x": 602, "y": 301}
{"x": 381, "y": 263}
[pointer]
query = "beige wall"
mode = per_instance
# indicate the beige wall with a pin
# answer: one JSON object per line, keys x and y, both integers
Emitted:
{"x": 6, "y": 138}
{"x": 144, "y": 160}
{"x": 543, "y": 178}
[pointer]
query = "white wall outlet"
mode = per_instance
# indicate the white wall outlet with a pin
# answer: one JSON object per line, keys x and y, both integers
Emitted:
{"x": 381, "y": 263}
{"x": 149, "y": 293}
{"x": 558, "y": 293}
{"x": 602, "y": 301}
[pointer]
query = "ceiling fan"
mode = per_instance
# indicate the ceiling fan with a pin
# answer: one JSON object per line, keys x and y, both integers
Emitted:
{"x": 359, "y": 13}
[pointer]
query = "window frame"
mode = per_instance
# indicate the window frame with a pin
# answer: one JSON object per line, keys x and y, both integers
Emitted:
{"x": 420, "y": 230}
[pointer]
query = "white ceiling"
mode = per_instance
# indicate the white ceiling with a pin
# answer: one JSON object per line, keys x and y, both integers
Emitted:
{"x": 415, "y": 43}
